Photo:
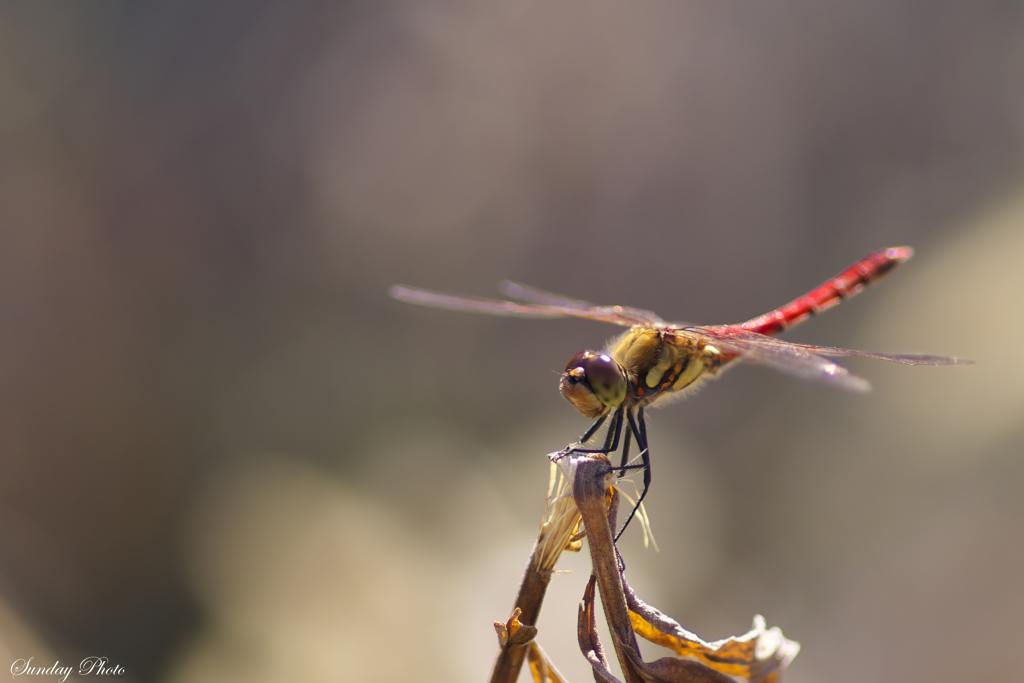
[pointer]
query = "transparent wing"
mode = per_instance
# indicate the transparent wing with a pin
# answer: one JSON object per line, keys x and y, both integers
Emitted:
{"x": 796, "y": 361}
{"x": 523, "y": 292}
{"x": 753, "y": 339}
{"x": 616, "y": 315}
{"x": 805, "y": 360}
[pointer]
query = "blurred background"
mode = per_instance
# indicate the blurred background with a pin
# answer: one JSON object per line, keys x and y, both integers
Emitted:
{"x": 227, "y": 455}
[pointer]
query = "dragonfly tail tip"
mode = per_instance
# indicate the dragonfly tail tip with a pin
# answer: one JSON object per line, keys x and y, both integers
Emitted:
{"x": 899, "y": 254}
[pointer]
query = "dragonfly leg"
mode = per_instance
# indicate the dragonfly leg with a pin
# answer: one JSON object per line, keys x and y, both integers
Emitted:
{"x": 638, "y": 427}
{"x": 572, "y": 448}
{"x": 611, "y": 442}
{"x": 625, "y": 450}
{"x": 593, "y": 429}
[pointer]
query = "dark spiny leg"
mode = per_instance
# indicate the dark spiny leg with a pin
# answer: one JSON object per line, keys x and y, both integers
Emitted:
{"x": 611, "y": 439}
{"x": 647, "y": 453}
{"x": 572, "y": 448}
{"x": 593, "y": 429}
{"x": 646, "y": 456}
{"x": 641, "y": 441}
{"x": 611, "y": 442}
{"x": 625, "y": 449}
{"x": 623, "y": 467}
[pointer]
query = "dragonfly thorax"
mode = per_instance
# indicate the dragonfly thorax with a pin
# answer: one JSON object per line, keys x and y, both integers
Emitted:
{"x": 593, "y": 382}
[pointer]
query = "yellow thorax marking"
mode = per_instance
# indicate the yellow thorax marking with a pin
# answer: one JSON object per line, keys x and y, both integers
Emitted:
{"x": 655, "y": 374}
{"x": 694, "y": 370}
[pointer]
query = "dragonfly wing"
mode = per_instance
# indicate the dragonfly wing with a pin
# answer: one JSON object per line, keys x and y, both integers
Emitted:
{"x": 805, "y": 360}
{"x": 533, "y": 295}
{"x": 797, "y": 360}
{"x": 422, "y": 297}
{"x": 762, "y": 341}
{"x": 473, "y": 304}
{"x": 539, "y": 296}
{"x": 904, "y": 358}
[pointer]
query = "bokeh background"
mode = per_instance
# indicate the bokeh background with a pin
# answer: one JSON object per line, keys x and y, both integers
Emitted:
{"x": 227, "y": 455}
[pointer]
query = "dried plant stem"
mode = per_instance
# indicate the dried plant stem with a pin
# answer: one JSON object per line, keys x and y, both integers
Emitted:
{"x": 590, "y": 488}
{"x": 531, "y": 595}
{"x": 557, "y": 534}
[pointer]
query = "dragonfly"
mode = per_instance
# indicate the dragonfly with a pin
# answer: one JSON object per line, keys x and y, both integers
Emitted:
{"x": 655, "y": 361}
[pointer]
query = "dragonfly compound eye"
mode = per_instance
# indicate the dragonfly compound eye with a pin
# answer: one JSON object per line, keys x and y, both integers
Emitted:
{"x": 593, "y": 382}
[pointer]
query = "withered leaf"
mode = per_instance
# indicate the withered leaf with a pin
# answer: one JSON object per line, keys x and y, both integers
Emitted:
{"x": 541, "y": 668}
{"x": 514, "y": 632}
{"x": 757, "y": 656}
{"x": 590, "y": 643}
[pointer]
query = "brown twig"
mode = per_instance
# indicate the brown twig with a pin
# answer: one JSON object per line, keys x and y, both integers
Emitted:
{"x": 590, "y": 488}
{"x": 528, "y": 601}
{"x": 558, "y": 532}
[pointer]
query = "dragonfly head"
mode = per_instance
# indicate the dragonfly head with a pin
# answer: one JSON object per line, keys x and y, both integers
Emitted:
{"x": 593, "y": 382}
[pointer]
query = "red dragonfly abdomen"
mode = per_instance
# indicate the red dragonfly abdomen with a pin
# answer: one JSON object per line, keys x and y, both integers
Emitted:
{"x": 842, "y": 286}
